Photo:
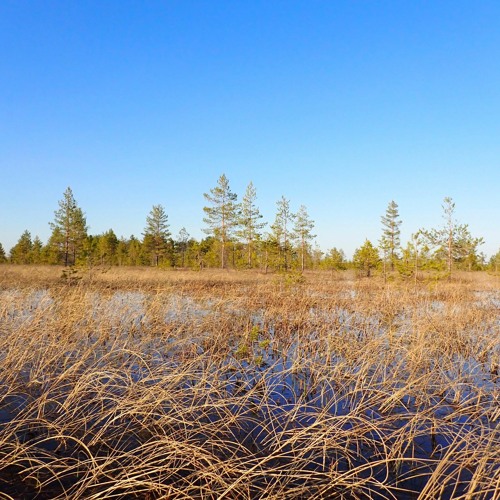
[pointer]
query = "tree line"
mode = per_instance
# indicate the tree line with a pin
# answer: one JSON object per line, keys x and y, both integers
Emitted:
{"x": 238, "y": 238}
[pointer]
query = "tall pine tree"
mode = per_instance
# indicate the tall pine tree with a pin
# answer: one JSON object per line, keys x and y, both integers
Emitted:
{"x": 453, "y": 239}
{"x": 250, "y": 223}
{"x": 390, "y": 241}
{"x": 222, "y": 215}
{"x": 69, "y": 229}
{"x": 156, "y": 234}
{"x": 281, "y": 232}
{"x": 302, "y": 232}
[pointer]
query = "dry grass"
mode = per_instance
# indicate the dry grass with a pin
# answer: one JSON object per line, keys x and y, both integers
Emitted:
{"x": 140, "y": 383}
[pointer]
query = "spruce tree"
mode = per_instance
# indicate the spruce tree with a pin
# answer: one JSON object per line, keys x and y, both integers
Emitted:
{"x": 222, "y": 215}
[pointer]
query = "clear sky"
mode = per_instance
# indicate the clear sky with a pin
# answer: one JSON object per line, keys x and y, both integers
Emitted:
{"x": 340, "y": 106}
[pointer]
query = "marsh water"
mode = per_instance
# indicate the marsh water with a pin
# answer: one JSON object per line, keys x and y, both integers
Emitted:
{"x": 334, "y": 402}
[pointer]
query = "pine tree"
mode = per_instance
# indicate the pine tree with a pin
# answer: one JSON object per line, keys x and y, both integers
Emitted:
{"x": 467, "y": 249}
{"x": 494, "y": 263}
{"x": 302, "y": 232}
{"x": 335, "y": 260}
{"x": 366, "y": 258}
{"x": 414, "y": 256}
{"x": 182, "y": 244}
{"x": 281, "y": 231}
{"x": 453, "y": 239}
{"x": 221, "y": 217}
{"x": 249, "y": 221}
{"x": 156, "y": 233}
{"x": 69, "y": 229}
{"x": 390, "y": 241}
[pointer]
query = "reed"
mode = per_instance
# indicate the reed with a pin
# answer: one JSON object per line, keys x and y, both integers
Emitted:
{"x": 143, "y": 383}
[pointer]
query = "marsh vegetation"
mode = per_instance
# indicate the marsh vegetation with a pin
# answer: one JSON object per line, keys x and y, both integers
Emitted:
{"x": 142, "y": 383}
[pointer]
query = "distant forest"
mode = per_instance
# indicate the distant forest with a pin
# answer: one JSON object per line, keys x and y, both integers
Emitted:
{"x": 238, "y": 238}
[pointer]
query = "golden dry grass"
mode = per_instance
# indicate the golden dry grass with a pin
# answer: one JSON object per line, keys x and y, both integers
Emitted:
{"x": 141, "y": 383}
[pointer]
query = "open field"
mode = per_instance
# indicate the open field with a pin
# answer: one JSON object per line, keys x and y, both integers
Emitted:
{"x": 141, "y": 383}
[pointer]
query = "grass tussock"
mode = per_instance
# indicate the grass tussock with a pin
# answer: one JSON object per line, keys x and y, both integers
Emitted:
{"x": 220, "y": 385}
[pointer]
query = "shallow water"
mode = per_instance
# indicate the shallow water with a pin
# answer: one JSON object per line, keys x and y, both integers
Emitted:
{"x": 278, "y": 389}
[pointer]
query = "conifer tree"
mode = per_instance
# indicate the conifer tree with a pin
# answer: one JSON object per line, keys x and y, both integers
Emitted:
{"x": 335, "y": 260}
{"x": 134, "y": 251}
{"x": 156, "y": 233}
{"x": 366, "y": 258}
{"x": 107, "y": 245}
{"x": 36, "y": 251}
{"x": 3, "y": 257}
{"x": 20, "y": 253}
{"x": 52, "y": 251}
{"x": 89, "y": 253}
{"x": 121, "y": 252}
{"x": 302, "y": 232}
{"x": 182, "y": 244}
{"x": 222, "y": 214}
{"x": 281, "y": 231}
{"x": 494, "y": 263}
{"x": 69, "y": 229}
{"x": 453, "y": 239}
{"x": 249, "y": 221}
{"x": 390, "y": 241}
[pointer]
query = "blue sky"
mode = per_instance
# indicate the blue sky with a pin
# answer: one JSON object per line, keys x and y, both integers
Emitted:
{"x": 341, "y": 106}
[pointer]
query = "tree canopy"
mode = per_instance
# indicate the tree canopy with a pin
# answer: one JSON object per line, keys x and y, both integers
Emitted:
{"x": 235, "y": 240}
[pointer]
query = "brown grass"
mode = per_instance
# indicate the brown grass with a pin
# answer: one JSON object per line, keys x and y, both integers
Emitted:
{"x": 141, "y": 383}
